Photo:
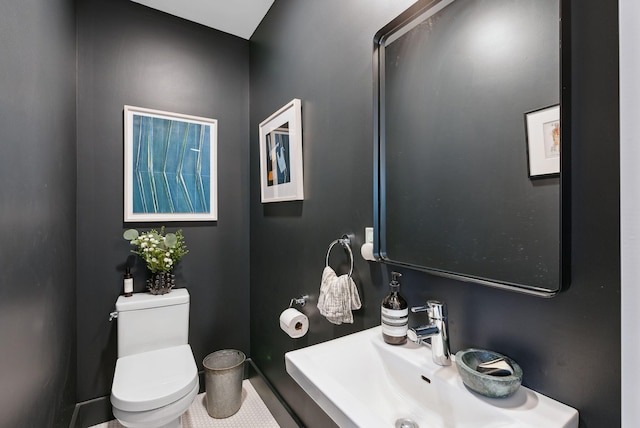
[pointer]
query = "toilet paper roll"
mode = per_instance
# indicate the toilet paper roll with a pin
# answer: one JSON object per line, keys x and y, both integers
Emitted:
{"x": 367, "y": 251}
{"x": 294, "y": 323}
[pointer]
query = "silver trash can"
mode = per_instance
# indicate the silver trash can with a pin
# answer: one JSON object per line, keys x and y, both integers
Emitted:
{"x": 224, "y": 371}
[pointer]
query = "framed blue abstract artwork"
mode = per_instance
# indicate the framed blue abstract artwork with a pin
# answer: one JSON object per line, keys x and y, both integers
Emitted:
{"x": 281, "y": 177}
{"x": 170, "y": 171}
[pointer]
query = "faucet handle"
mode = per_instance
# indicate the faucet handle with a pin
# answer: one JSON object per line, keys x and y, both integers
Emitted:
{"x": 435, "y": 309}
{"x": 415, "y": 309}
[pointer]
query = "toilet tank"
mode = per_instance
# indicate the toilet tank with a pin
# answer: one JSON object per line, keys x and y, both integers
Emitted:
{"x": 147, "y": 322}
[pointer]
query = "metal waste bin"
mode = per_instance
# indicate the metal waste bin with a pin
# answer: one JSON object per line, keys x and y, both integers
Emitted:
{"x": 224, "y": 371}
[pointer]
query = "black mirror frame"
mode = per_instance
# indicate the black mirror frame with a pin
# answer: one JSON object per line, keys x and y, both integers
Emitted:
{"x": 379, "y": 241}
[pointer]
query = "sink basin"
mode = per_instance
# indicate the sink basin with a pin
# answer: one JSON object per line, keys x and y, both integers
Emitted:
{"x": 360, "y": 381}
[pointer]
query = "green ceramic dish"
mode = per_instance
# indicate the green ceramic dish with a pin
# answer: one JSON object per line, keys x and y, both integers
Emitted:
{"x": 488, "y": 385}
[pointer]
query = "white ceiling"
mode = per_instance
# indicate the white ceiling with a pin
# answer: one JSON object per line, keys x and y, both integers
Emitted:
{"x": 237, "y": 17}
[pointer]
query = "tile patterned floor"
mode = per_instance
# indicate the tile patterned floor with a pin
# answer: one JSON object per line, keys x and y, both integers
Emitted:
{"x": 252, "y": 414}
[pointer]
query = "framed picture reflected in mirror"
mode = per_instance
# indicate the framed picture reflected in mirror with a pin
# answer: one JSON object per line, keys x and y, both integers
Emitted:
{"x": 543, "y": 141}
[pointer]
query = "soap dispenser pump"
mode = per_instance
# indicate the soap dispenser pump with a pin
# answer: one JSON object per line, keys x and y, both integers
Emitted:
{"x": 394, "y": 314}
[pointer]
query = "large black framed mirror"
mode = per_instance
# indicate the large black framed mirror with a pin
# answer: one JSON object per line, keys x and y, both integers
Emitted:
{"x": 470, "y": 97}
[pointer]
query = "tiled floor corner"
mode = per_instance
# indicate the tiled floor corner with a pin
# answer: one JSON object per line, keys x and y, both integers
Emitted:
{"x": 252, "y": 414}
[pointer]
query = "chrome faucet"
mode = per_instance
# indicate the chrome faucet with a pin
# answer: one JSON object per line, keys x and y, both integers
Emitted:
{"x": 437, "y": 330}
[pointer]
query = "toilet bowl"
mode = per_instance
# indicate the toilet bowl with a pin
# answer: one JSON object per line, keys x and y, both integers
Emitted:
{"x": 153, "y": 389}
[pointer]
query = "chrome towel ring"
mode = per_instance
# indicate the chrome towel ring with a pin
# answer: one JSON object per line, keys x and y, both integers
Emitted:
{"x": 345, "y": 243}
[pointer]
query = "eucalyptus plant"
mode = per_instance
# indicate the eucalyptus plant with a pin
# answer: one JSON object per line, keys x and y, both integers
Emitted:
{"x": 159, "y": 251}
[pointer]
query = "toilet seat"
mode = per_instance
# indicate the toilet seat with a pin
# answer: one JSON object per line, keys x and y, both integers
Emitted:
{"x": 154, "y": 379}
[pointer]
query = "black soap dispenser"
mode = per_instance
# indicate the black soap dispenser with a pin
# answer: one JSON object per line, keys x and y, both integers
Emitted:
{"x": 394, "y": 314}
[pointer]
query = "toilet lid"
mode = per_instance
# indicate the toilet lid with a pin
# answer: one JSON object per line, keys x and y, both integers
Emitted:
{"x": 153, "y": 379}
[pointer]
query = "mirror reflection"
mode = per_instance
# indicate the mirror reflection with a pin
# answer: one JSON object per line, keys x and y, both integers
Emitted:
{"x": 461, "y": 87}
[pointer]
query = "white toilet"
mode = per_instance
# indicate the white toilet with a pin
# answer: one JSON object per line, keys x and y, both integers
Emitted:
{"x": 156, "y": 376}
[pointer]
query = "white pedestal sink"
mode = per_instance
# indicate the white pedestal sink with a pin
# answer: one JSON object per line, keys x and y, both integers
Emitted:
{"x": 360, "y": 381}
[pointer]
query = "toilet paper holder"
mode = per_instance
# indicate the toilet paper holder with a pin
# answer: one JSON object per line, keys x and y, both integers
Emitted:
{"x": 302, "y": 300}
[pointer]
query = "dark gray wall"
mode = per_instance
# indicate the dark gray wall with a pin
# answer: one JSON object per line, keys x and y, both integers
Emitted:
{"x": 321, "y": 53}
{"x": 37, "y": 212}
{"x": 130, "y": 54}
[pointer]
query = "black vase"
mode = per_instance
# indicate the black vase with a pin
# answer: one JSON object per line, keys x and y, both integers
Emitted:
{"x": 161, "y": 282}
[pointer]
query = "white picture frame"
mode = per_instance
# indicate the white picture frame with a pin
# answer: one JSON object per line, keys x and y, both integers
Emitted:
{"x": 543, "y": 141}
{"x": 281, "y": 169}
{"x": 170, "y": 166}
